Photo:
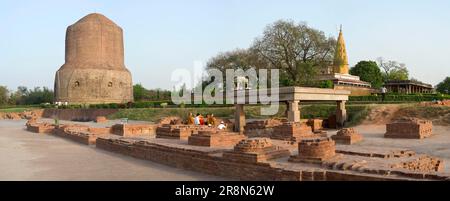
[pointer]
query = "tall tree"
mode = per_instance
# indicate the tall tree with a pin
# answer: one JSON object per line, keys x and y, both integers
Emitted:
{"x": 444, "y": 86}
{"x": 368, "y": 71}
{"x": 296, "y": 49}
{"x": 3, "y": 95}
{"x": 393, "y": 70}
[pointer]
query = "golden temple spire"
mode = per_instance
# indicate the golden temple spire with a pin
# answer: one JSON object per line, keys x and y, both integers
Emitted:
{"x": 340, "y": 62}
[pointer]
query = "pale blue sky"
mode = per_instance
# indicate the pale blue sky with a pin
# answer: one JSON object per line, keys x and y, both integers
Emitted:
{"x": 161, "y": 36}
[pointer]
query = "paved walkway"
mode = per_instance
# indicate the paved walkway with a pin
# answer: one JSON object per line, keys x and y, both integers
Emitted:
{"x": 30, "y": 156}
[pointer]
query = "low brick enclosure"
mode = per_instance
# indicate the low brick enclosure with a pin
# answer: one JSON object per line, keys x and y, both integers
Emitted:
{"x": 214, "y": 138}
{"x": 35, "y": 127}
{"x": 77, "y": 133}
{"x": 130, "y": 130}
{"x": 315, "y": 150}
{"x": 347, "y": 136}
{"x": 291, "y": 131}
{"x": 409, "y": 128}
{"x": 237, "y": 163}
{"x": 181, "y": 132}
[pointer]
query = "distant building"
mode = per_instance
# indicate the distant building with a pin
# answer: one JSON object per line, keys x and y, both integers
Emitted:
{"x": 408, "y": 87}
{"x": 338, "y": 72}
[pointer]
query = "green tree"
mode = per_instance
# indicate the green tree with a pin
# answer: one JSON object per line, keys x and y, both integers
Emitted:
{"x": 368, "y": 71}
{"x": 139, "y": 92}
{"x": 3, "y": 95}
{"x": 444, "y": 86}
{"x": 400, "y": 73}
{"x": 393, "y": 70}
{"x": 296, "y": 49}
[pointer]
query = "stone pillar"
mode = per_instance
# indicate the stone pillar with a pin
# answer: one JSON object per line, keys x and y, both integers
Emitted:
{"x": 341, "y": 113}
{"x": 287, "y": 109}
{"x": 293, "y": 113}
{"x": 239, "y": 118}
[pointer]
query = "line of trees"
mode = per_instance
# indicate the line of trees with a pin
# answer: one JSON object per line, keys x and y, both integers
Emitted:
{"x": 25, "y": 96}
{"x": 140, "y": 93}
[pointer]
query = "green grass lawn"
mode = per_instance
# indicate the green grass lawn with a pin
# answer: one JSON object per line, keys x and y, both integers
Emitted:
{"x": 356, "y": 113}
{"x": 17, "y": 109}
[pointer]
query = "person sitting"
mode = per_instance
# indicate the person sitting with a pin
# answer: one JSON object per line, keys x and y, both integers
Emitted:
{"x": 190, "y": 119}
{"x": 222, "y": 126}
{"x": 201, "y": 120}
{"x": 197, "y": 119}
{"x": 211, "y": 120}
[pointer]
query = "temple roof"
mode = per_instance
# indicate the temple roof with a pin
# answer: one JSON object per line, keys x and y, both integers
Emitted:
{"x": 340, "y": 62}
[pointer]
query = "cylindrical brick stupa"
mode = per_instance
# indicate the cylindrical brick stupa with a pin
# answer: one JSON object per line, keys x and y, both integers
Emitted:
{"x": 94, "y": 69}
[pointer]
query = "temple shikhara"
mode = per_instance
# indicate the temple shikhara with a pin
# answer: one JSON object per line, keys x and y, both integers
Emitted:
{"x": 339, "y": 74}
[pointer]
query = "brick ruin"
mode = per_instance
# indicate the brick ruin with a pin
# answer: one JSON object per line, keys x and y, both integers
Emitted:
{"x": 215, "y": 138}
{"x": 409, "y": 128}
{"x": 261, "y": 128}
{"x": 35, "y": 127}
{"x": 315, "y": 150}
{"x": 130, "y": 130}
{"x": 255, "y": 150}
{"x": 347, "y": 136}
{"x": 181, "y": 132}
{"x": 261, "y": 159}
{"x": 101, "y": 119}
{"x": 292, "y": 131}
{"x": 316, "y": 125}
{"x": 207, "y": 150}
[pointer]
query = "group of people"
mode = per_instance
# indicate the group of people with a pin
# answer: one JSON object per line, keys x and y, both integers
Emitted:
{"x": 210, "y": 120}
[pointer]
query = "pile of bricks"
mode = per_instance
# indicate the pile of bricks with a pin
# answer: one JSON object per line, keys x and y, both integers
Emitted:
{"x": 347, "y": 136}
{"x": 422, "y": 164}
{"x": 101, "y": 119}
{"x": 130, "y": 130}
{"x": 214, "y": 138}
{"x": 180, "y": 132}
{"x": 255, "y": 150}
{"x": 292, "y": 131}
{"x": 315, "y": 150}
{"x": 409, "y": 128}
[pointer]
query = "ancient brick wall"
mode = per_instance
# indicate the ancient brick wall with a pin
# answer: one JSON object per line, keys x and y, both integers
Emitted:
{"x": 409, "y": 128}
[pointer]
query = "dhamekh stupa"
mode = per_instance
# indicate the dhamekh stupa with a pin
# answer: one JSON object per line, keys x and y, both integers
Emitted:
{"x": 94, "y": 69}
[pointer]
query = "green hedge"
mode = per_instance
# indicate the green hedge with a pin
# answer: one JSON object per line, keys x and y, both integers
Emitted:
{"x": 401, "y": 97}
